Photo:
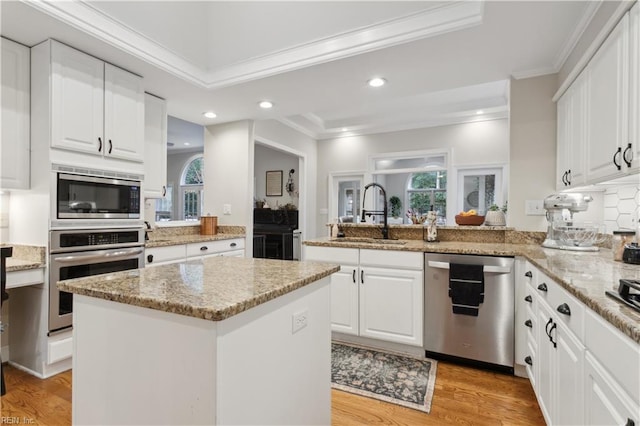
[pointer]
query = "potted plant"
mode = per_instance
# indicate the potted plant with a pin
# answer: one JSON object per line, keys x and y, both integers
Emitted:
{"x": 495, "y": 216}
{"x": 396, "y": 206}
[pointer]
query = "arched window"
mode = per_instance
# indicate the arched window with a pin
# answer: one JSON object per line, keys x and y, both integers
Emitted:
{"x": 192, "y": 189}
{"x": 426, "y": 191}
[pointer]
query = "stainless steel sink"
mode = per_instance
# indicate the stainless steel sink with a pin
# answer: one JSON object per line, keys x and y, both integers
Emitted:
{"x": 368, "y": 241}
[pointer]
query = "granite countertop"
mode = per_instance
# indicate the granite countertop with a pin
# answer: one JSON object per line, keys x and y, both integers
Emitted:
{"x": 188, "y": 238}
{"x": 586, "y": 275}
{"x": 25, "y": 257}
{"x": 213, "y": 288}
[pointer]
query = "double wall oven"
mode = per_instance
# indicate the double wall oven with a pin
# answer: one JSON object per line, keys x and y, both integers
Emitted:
{"x": 96, "y": 228}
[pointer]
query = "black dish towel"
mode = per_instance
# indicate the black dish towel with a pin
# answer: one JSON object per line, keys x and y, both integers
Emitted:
{"x": 466, "y": 288}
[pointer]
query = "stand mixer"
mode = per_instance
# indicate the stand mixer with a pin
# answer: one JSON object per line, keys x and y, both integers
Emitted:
{"x": 561, "y": 232}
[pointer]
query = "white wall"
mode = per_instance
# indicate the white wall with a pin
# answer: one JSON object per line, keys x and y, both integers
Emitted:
{"x": 483, "y": 142}
{"x": 228, "y": 170}
{"x": 276, "y": 134}
{"x": 5, "y": 198}
{"x": 533, "y": 148}
{"x": 267, "y": 159}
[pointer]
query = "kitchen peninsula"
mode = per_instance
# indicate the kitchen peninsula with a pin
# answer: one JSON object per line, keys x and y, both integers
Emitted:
{"x": 215, "y": 341}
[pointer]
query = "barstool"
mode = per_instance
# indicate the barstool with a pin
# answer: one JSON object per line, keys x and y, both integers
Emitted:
{"x": 4, "y": 253}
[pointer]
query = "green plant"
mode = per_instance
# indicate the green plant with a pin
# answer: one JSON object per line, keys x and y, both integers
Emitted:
{"x": 396, "y": 206}
{"x": 494, "y": 208}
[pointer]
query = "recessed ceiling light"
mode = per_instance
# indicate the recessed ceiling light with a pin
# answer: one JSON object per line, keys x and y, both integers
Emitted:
{"x": 479, "y": 111}
{"x": 210, "y": 114}
{"x": 265, "y": 104}
{"x": 344, "y": 129}
{"x": 187, "y": 144}
{"x": 377, "y": 82}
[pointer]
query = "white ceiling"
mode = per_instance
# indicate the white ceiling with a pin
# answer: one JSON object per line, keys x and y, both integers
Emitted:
{"x": 443, "y": 60}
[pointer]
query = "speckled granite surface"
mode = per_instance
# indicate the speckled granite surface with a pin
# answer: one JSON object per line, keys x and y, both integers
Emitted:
{"x": 161, "y": 232}
{"x": 213, "y": 289}
{"x": 584, "y": 275}
{"x": 25, "y": 257}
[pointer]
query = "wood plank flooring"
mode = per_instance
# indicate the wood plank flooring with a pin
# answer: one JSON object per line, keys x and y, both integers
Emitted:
{"x": 463, "y": 396}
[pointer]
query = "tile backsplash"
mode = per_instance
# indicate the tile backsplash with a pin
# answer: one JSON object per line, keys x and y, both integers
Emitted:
{"x": 621, "y": 207}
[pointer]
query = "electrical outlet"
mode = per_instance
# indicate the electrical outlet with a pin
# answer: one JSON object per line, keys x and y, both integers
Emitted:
{"x": 226, "y": 209}
{"x": 299, "y": 321}
{"x": 534, "y": 208}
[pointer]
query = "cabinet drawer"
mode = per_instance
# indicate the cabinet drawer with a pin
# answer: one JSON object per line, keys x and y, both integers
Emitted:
{"x": 616, "y": 352}
{"x": 24, "y": 278}
{"x": 211, "y": 247}
{"x": 59, "y": 350}
{"x": 166, "y": 254}
{"x": 567, "y": 309}
{"x": 331, "y": 254}
{"x": 392, "y": 259}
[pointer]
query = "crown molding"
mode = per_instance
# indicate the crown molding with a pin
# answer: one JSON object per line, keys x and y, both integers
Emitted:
{"x": 519, "y": 75}
{"x": 426, "y": 23}
{"x": 300, "y": 128}
{"x": 572, "y": 41}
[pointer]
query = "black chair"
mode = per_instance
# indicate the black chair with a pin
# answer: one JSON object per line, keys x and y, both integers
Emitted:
{"x": 4, "y": 253}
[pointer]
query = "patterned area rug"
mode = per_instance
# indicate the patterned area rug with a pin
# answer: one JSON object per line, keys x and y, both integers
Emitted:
{"x": 395, "y": 378}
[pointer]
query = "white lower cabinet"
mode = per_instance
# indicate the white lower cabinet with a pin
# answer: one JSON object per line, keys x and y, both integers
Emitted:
{"x": 566, "y": 351}
{"x": 376, "y": 294}
{"x": 157, "y": 256}
{"x": 605, "y": 402}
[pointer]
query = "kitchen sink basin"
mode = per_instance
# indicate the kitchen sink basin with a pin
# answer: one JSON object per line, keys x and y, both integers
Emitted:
{"x": 368, "y": 240}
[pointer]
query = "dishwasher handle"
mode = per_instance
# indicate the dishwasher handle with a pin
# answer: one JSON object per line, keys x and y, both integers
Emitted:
{"x": 487, "y": 269}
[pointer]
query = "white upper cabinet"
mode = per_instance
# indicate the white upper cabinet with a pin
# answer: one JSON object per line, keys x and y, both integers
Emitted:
{"x": 632, "y": 159}
{"x": 572, "y": 110}
{"x": 77, "y": 95}
{"x": 15, "y": 141}
{"x": 94, "y": 111}
{"x": 155, "y": 148}
{"x": 608, "y": 105}
{"x": 123, "y": 114}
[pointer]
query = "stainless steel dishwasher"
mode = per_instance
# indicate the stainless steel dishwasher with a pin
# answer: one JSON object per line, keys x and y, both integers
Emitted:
{"x": 482, "y": 332}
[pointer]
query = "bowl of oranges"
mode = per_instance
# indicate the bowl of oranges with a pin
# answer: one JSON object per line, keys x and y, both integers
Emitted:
{"x": 469, "y": 218}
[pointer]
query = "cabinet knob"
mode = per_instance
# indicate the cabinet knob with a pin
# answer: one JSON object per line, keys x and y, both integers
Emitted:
{"x": 99, "y": 144}
{"x": 528, "y": 360}
{"x": 528, "y": 299}
{"x": 564, "y": 309}
{"x": 233, "y": 244}
{"x": 204, "y": 248}
{"x": 617, "y": 153}
{"x": 164, "y": 190}
{"x": 543, "y": 287}
{"x": 150, "y": 258}
{"x": 528, "y": 274}
{"x": 528, "y": 323}
{"x": 624, "y": 155}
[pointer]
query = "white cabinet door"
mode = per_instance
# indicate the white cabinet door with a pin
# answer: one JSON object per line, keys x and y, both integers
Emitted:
{"x": 344, "y": 300}
{"x": 77, "y": 101}
{"x": 562, "y": 140}
{"x": 155, "y": 148}
{"x": 607, "y": 102}
{"x": 576, "y": 152}
{"x": 123, "y": 114}
{"x": 605, "y": 403}
{"x": 568, "y": 377}
{"x": 14, "y": 161}
{"x": 545, "y": 362}
{"x": 633, "y": 157}
{"x": 391, "y": 303}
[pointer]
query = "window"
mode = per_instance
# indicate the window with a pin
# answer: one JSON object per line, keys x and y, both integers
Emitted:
{"x": 478, "y": 189}
{"x": 192, "y": 189}
{"x": 426, "y": 191}
{"x": 164, "y": 205}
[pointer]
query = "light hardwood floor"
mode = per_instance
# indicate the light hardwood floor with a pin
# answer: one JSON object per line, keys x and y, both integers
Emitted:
{"x": 462, "y": 396}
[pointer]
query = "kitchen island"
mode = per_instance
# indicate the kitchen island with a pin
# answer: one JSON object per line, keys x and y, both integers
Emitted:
{"x": 215, "y": 341}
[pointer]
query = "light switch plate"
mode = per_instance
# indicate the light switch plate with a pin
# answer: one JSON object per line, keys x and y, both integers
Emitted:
{"x": 226, "y": 209}
{"x": 534, "y": 208}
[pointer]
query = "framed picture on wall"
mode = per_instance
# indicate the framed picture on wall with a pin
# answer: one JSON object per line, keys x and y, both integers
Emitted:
{"x": 274, "y": 183}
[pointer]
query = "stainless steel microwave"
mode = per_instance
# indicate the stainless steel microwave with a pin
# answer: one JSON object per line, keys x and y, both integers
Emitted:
{"x": 96, "y": 197}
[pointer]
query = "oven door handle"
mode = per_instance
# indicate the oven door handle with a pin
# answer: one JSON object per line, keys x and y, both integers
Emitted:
{"x": 488, "y": 269}
{"x": 103, "y": 255}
